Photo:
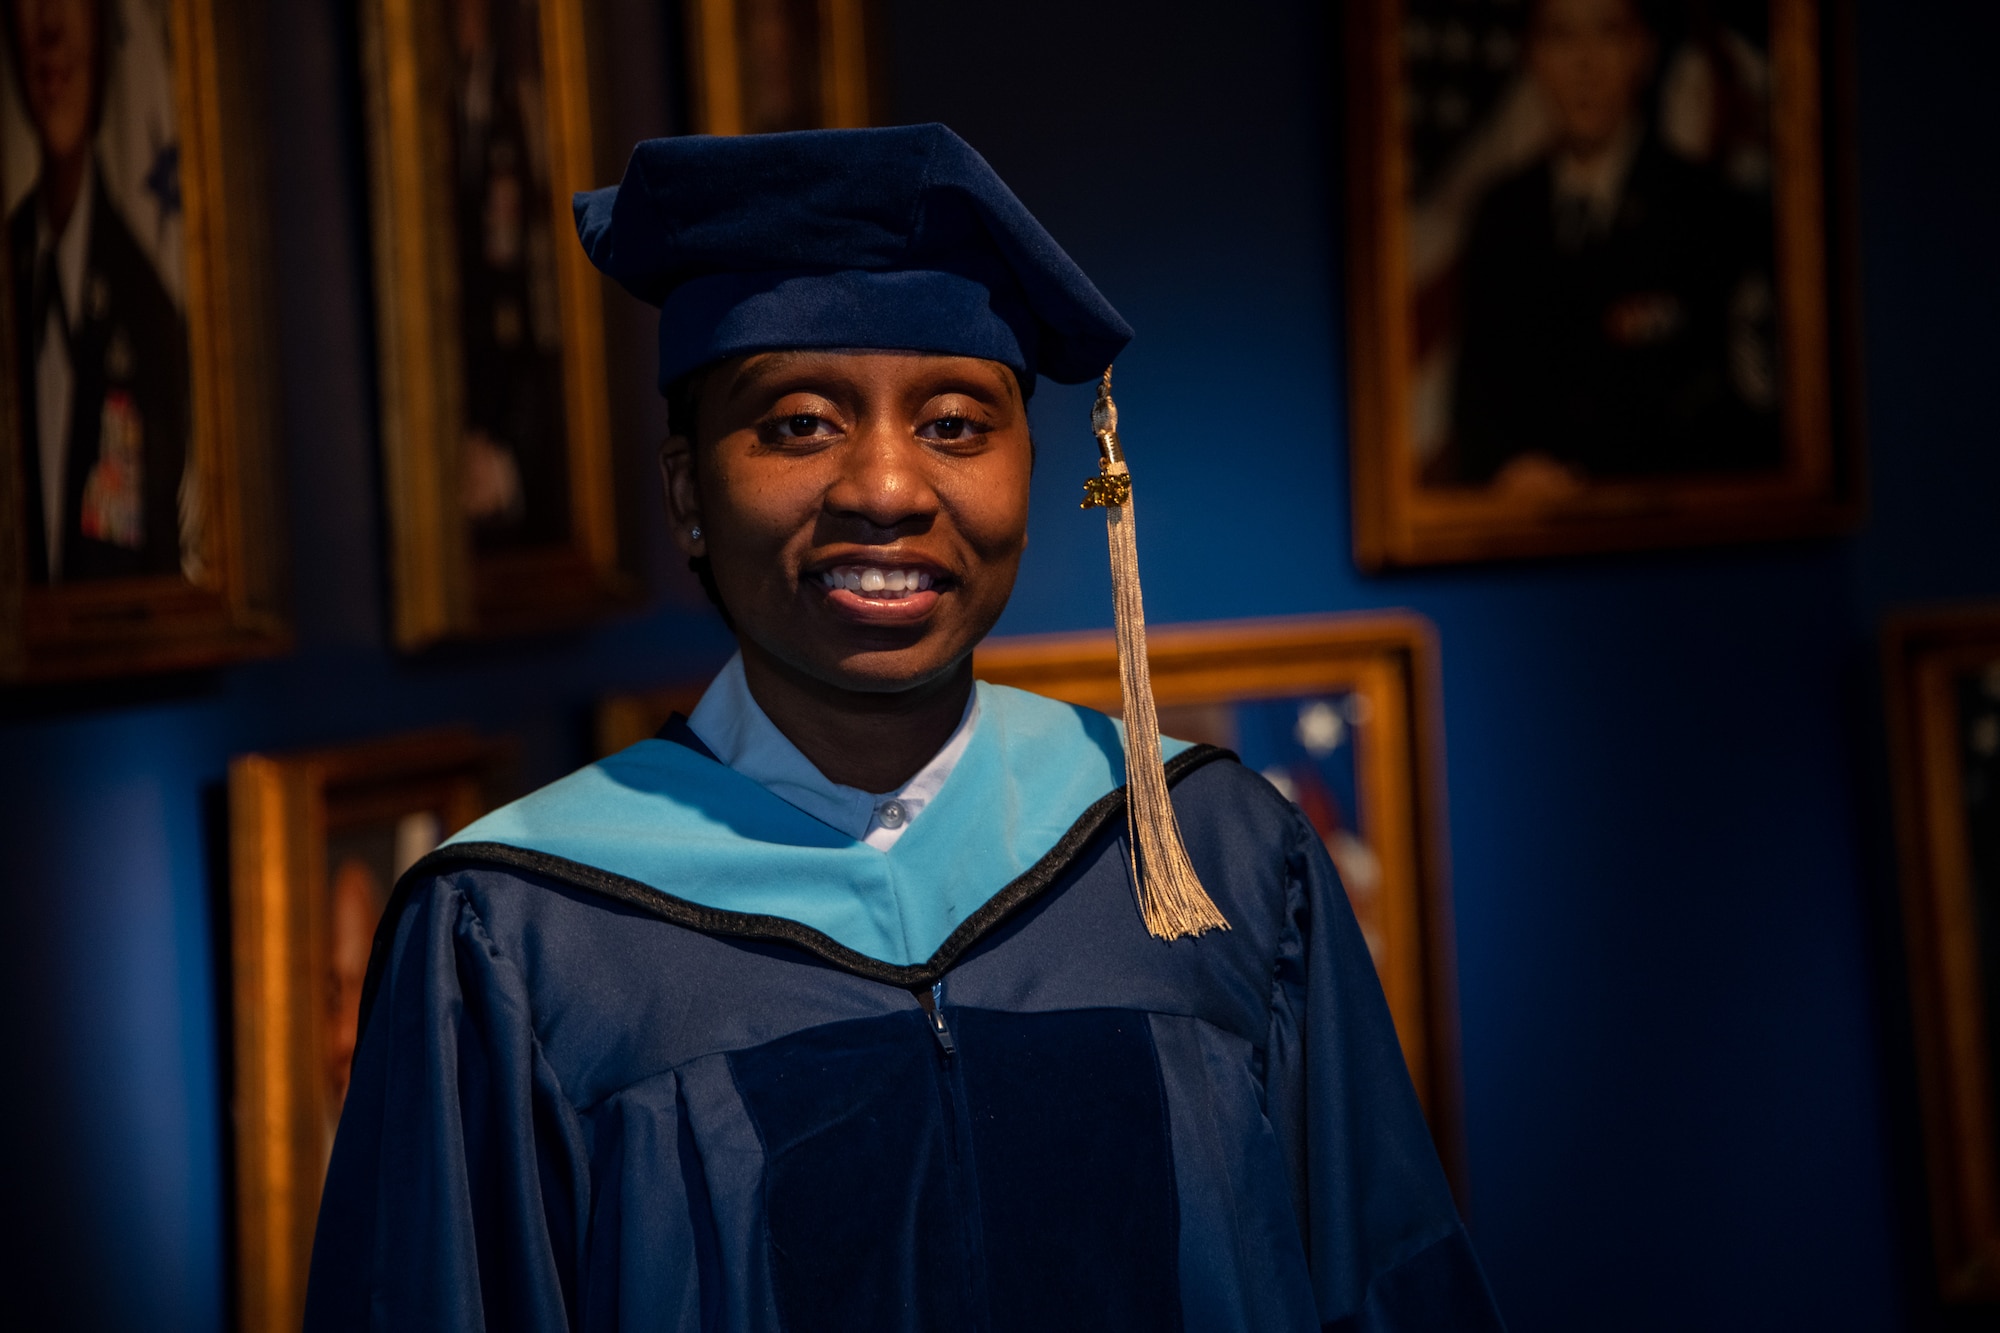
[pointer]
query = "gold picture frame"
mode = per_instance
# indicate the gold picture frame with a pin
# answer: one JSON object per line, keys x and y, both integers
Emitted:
{"x": 164, "y": 554}
{"x": 495, "y": 408}
{"x": 765, "y": 65}
{"x": 1942, "y": 672}
{"x": 1485, "y": 427}
{"x": 316, "y": 841}
{"x": 1379, "y": 672}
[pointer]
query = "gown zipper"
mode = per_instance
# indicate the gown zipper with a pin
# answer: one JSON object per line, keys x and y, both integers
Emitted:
{"x": 933, "y": 1005}
{"x": 958, "y": 1130}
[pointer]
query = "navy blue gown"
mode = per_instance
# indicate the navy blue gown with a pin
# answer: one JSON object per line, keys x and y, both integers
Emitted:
{"x": 583, "y": 1100}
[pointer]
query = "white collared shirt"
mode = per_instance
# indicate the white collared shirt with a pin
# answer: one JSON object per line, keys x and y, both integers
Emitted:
{"x": 54, "y": 374}
{"x": 729, "y": 721}
{"x": 1597, "y": 185}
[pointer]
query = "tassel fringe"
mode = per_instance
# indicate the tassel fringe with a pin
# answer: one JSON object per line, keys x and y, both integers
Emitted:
{"x": 1171, "y": 898}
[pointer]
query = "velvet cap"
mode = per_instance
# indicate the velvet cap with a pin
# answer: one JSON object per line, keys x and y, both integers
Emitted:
{"x": 900, "y": 238}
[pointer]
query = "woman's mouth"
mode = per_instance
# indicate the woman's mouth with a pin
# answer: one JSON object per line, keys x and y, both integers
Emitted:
{"x": 879, "y": 594}
{"x": 879, "y": 583}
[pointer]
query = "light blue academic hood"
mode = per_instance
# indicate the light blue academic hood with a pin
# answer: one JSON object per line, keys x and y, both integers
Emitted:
{"x": 668, "y": 817}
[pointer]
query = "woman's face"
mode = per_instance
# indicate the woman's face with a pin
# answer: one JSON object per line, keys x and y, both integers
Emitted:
{"x": 864, "y": 512}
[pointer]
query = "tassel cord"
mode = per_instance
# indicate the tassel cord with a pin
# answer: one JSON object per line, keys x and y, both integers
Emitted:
{"x": 1171, "y": 898}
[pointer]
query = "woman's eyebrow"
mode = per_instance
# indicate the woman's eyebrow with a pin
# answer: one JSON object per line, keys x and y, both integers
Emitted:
{"x": 972, "y": 378}
{"x": 990, "y": 393}
{"x": 776, "y": 373}
{"x": 787, "y": 371}
{"x": 776, "y": 361}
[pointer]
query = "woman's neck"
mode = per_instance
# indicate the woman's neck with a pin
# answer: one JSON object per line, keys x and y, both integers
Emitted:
{"x": 875, "y": 742}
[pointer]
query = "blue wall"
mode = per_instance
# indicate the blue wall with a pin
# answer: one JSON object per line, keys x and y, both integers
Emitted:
{"x": 1686, "y": 1060}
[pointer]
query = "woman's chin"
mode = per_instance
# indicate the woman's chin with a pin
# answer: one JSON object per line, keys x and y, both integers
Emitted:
{"x": 894, "y": 668}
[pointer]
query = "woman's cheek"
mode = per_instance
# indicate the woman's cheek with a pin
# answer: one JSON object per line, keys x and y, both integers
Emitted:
{"x": 991, "y": 509}
{"x": 774, "y": 514}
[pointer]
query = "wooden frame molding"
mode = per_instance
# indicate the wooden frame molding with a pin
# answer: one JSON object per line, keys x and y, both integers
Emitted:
{"x": 1927, "y": 659}
{"x": 445, "y": 588}
{"x": 282, "y": 810}
{"x": 833, "y": 40}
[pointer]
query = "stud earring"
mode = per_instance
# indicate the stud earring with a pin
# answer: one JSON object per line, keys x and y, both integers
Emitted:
{"x": 694, "y": 533}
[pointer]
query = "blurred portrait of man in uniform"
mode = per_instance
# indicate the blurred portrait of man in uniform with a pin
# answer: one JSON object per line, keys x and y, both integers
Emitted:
{"x": 364, "y": 861}
{"x": 101, "y": 349}
{"x": 357, "y": 895}
{"x": 1615, "y": 295}
{"x": 516, "y": 480}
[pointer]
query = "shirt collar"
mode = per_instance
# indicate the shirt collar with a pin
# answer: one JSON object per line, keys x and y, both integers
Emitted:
{"x": 735, "y": 728}
{"x": 72, "y": 247}
{"x": 1599, "y": 183}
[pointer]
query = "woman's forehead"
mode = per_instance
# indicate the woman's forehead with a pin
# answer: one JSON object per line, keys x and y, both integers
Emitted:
{"x": 858, "y": 365}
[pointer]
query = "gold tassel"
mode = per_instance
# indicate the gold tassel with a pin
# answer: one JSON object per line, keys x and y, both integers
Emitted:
{"x": 1171, "y": 899}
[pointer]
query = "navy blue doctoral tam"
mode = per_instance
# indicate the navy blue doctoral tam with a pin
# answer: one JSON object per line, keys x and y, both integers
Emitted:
{"x": 898, "y": 238}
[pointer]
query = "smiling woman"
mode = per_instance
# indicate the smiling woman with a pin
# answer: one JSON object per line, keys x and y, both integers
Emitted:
{"x": 849, "y": 1001}
{"x": 863, "y": 514}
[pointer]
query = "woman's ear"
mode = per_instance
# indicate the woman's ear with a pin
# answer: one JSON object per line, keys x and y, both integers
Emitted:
{"x": 683, "y": 496}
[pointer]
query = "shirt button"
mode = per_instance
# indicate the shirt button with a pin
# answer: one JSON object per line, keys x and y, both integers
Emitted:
{"x": 891, "y": 814}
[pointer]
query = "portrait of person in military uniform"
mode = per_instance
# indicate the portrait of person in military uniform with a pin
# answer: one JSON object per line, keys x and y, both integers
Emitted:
{"x": 501, "y": 489}
{"x": 1608, "y": 300}
{"x": 101, "y": 373}
{"x": 1585, "y": 317}
{"x": 1615, "y": 292}
{"x": 516, "y": 482}
{"x": 363, "y": 859}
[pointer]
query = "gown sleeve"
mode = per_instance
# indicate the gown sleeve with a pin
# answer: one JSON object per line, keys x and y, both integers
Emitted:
{"x": 1387, "y": 1251}
{"x": 457, "y": 1178}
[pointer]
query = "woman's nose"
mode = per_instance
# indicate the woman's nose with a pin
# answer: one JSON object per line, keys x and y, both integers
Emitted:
{"x": 883, "y": 480}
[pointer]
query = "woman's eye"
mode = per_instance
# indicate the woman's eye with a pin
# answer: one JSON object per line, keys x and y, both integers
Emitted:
{"x": 801, "y": 426}
{"x": 950, "y": 428}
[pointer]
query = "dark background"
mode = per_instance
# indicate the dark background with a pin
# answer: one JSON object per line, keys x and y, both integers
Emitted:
{"x": 1687, "y": 1071}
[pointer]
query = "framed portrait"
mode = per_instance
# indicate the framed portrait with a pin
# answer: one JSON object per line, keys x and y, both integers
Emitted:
{"x": 316, "y": 842}
{"x": 1943, "y": 677}
{"x": 1592, "y": 289}
{"x": 1340, "y": 713}
{"x": 762, "y": 65}
{"x": 134, "y": 484}
{"x": 496, "y": 429}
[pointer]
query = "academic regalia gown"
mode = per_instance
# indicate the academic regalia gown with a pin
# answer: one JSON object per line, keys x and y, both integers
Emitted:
{"x": 651, "y": 1049}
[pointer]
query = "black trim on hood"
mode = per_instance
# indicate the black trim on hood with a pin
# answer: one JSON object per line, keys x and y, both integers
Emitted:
{"x": 643, "y": 897}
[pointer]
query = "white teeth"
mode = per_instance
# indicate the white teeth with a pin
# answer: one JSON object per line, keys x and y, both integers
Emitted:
{"x": 876, "y": 580}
